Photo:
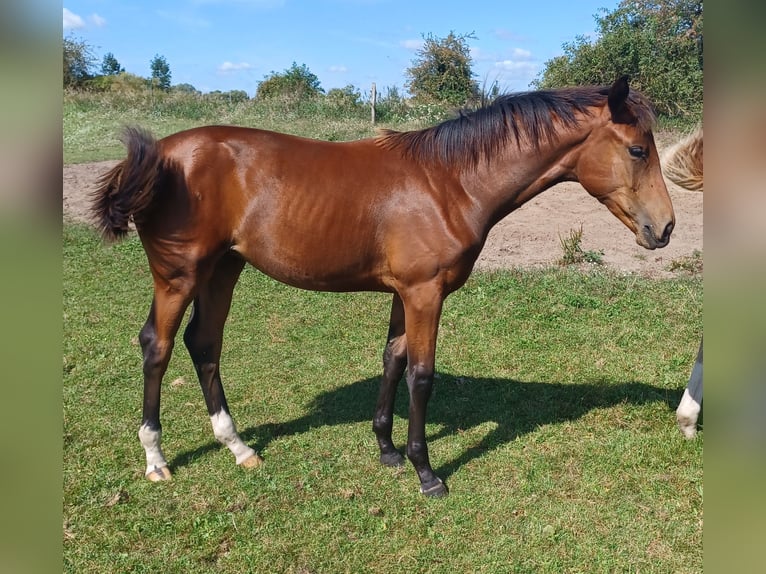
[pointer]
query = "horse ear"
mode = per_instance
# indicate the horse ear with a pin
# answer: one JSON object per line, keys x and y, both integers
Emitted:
{"x": 618, "y": 95}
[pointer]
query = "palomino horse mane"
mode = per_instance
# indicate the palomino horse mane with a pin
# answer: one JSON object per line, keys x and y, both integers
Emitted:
{"x": 525, "y": 118}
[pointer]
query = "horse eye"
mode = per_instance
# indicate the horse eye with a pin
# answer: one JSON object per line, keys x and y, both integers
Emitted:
{"x": 638, "y": 152}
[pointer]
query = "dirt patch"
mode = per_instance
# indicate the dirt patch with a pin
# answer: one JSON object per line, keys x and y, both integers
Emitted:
{"x": 528, "y": 237}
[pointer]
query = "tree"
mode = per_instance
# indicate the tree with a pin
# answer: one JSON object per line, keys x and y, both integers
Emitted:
{"x": 78, "y": 62}
{"x": 441, "y": 71}
{"x": 160, "y": 72}
{"x": 657, "y": 42}
{"x": 110, "y": 66}
{"x": 297, "y": 82}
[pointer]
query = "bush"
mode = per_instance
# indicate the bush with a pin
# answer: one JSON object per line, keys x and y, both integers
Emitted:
{"x": 295, "y": 83}
{"x": 441, "y": 72}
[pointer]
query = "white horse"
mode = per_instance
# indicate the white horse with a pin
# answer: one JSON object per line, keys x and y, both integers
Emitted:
{"x": 682, "y": 164}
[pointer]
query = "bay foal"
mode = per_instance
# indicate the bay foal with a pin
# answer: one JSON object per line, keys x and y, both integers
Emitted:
{"x": 405, "y": 213}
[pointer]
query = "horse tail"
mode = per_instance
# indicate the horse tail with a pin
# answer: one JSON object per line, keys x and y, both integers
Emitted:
{"x": 682, "y": 162}
{"x": 127, "y": 190}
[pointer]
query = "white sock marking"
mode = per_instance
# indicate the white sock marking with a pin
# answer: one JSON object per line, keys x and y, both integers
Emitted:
{"x": 689, "y": 408}
{"x": 226, "y": 433}
{"x": 151, "y": 441}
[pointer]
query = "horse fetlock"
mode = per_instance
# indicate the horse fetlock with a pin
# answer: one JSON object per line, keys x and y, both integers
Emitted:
{"x": 688, "y": 428}
{"x": 392, "y": 459}
{"x": 226, "y": 433}
{"x": 151, "y": 440}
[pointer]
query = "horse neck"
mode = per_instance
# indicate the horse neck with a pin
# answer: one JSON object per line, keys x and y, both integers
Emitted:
{"x": 517, "y": 173}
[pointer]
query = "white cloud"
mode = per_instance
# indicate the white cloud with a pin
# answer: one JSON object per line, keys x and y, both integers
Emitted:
{"x": 228, "y": 67}
{"x": 72, "y": 21}
{"x": 411, "y": 44}
{"x": 521, "y": 53}
{"x": 514, "y": 65}
{"x": 98, "y": 20}
{"x": 338, "y": 69}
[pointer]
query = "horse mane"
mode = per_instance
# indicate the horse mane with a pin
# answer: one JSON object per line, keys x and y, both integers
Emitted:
{"x": 683, "y": 162}
{"x": 532, "y": 117}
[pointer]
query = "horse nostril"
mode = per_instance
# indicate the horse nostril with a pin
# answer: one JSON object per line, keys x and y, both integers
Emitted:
{"x": 666, "y": 233}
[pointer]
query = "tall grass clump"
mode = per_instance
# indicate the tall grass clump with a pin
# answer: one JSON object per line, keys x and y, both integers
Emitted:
{"x": 93, "y": 120}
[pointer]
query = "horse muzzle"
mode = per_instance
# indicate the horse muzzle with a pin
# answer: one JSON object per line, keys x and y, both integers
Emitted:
{"x": 649, "y": 238}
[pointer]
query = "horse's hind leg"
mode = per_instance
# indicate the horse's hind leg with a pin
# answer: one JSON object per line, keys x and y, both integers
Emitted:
{"x": 203, "y": 338}
{"x": 394, "y": 363}
{"x": 157, "y": 338}
{"x": 689, "y": 408}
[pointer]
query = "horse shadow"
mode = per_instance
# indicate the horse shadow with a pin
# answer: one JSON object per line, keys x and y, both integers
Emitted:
{"x": 459, "y": 403}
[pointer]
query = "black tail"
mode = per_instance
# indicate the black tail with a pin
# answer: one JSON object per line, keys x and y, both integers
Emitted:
{"x": 125, "y": 191}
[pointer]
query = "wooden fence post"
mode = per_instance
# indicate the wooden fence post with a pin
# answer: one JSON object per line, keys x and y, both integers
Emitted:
{"x": 372, "y": 102}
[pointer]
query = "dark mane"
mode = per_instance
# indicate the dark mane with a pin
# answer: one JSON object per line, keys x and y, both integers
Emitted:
{"x": 531, "y": 117}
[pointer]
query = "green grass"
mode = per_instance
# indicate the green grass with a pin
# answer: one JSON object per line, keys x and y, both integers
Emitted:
{"x": 552, "y": 422}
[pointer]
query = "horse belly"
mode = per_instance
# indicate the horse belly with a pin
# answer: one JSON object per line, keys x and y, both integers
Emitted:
{"x": 311, "y": 260}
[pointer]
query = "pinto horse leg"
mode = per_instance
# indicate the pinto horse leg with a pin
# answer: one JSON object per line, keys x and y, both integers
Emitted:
{"x": 689, "y": 408}
{"x": 157, "y": 338}
{"x": 422, "y": 308}
{"x": 394, "y": 363}
{"x": 203, "y": 338}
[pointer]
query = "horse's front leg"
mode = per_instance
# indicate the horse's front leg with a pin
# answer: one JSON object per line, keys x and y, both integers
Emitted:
{"x": 394, "y": 363}
{"x": 422, "y": 306}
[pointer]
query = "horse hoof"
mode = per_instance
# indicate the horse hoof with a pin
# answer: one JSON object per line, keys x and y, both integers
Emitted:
{"x": 435, "y": 489}
{"x": 159, "y": 474}
{"x": 392, "y": 459}
{"x": 252, "y": 462}
{"x": 688, "y": 430}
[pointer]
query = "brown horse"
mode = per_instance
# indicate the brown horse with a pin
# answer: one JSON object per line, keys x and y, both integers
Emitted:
{"x": 405, "y": 213}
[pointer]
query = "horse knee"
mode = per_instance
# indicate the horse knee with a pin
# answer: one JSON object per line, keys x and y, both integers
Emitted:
{"x": 147, "y": 336}
{"x": 156, "y": 353}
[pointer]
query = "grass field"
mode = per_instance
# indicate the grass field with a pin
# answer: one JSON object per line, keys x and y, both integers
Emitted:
{"x": 552, "y": 422}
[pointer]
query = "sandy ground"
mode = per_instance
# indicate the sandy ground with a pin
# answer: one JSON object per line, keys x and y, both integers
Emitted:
{"x": 528, "y": 237}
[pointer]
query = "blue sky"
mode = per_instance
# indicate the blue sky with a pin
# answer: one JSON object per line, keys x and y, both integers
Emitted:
{"x": 232, "y": 44}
